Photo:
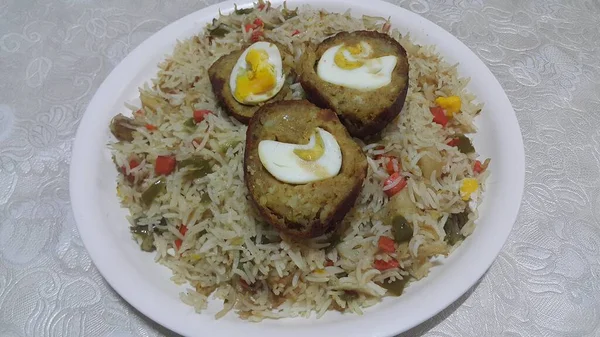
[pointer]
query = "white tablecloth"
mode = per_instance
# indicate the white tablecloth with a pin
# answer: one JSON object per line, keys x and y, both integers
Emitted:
{"x": 546, "y": 54}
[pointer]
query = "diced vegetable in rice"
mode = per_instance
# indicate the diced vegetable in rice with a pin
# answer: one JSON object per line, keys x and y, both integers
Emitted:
{"x": 181, "y": 177}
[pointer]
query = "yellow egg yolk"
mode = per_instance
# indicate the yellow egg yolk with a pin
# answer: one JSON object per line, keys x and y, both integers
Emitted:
{"x": 341, "y": 60}
{"x": 468, "y": 187}
{"x": 315, "y": 153}
{"x": 258, "y": 79}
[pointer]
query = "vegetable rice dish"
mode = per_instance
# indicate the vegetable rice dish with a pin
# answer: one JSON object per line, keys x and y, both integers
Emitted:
{"x": 291, "y": 161}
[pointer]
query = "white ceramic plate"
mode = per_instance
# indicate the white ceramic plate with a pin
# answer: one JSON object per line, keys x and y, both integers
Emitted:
{"x": 146, "y": 285}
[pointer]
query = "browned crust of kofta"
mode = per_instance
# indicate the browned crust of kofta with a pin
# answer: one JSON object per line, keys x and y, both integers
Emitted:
{"x": 220, "y": 71}
{"x": 364, "y": 113}
{"x": 306, "y": 210}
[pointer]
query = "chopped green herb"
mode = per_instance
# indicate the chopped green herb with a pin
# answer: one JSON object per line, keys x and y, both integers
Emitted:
{"x": 193, "y": 161}
{"x": 454, "y": 224}
{"x": 464, "y": 144}
{"x": 218, "y": 31}
{"x": 242, "y": 11}
{"x": 194, "y": 174}
{"x": 147, "y": 229}
{"x": 147, "y": 244}
{"x": 189, "y": 123}
{"x": 396, "y": 287}
{"x": 229, "y": 144}
{"x": 145, "y": 233}
{"x": 287, "y": 13}
{"x": 205, "y": 198}
{"x": 199, "y": 167}
{"x": 139, "y": 229}
{"x": 402, "y": 229}
{"x": 349, "y": 295}
{"x": 153, "y": 191}
{"x": 269, "y": 26}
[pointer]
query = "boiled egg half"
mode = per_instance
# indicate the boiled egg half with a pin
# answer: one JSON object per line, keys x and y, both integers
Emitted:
{"x": 258, "y": 74}
{"x": 320, "y": 159}
{"x": 351, "y": 66}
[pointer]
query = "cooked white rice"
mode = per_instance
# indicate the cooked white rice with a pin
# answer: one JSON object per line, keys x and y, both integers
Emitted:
{"x": 226, "y": 241}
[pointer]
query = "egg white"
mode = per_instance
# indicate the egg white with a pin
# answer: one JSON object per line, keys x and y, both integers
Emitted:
{"x": 374, "y": 74}
{"x": 241, "y": 65}
{"x": 281, "y": 161}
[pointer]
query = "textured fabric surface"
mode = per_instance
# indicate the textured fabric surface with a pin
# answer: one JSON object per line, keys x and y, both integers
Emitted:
{"x": 545, "y": 53}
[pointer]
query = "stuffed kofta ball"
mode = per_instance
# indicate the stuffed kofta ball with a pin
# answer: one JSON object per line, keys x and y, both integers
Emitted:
{"x": 245, "y": 79}
{"x": 361, "y": 75}
{"x": 302, "y": 168}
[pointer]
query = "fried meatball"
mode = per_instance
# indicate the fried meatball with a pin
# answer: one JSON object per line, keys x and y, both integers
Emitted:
{"x": 220, "y": 71}
{"x": 364, "y": 113}
{"x": 304, "y": 210}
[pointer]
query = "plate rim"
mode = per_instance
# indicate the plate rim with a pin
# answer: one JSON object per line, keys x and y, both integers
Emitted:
{"x": 143, "y": 305}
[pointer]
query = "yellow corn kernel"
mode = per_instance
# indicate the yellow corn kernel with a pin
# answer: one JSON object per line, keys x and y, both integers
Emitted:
{"x": 238, "y": 240}
{"x": 195, "y": 257}
{"x": 468, "y": 187}
{"x": 451, "y": 104}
